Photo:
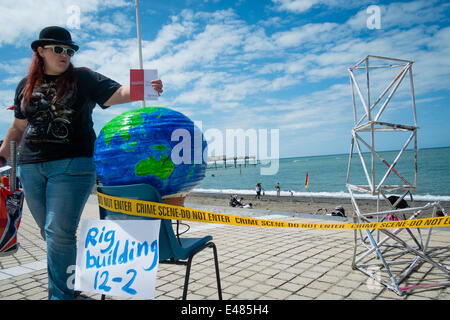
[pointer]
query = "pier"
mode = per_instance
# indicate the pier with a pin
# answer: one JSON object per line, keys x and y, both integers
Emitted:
{"x": 224, "y": 159}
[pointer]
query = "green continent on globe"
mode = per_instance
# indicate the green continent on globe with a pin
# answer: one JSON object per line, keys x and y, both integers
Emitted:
{"x": 132, "y": 119}
{"x": 162, "y": 168}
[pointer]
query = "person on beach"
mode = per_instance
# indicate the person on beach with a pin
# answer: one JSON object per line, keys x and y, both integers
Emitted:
{"x": 402, "y": 204}
{"x": 277, "y": 187}
{"x": 53, "y": 124}
{"x": 258, "y": 190}
{"x": 234, "y": 202}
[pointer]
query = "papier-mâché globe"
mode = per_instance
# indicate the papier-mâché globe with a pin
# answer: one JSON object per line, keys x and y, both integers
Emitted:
{"x": 136, "y": 147}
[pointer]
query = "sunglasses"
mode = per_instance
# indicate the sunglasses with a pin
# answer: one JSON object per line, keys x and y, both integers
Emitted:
{"x": 60, "y": 50}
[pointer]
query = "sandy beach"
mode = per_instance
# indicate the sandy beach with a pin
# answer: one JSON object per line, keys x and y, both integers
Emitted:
{"x": 297, "y": 204}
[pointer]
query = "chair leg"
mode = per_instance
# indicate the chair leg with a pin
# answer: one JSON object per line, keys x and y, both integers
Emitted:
{"x": 216, "y": 262}
{"x": 186, "y": 278}
{"x": 188, "y": 270}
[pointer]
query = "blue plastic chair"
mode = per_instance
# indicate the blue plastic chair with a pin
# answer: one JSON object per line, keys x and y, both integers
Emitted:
{"x": 172, "y": 248}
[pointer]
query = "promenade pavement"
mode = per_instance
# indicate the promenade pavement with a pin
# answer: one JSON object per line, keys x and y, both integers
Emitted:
{"x": 255, "y": 263}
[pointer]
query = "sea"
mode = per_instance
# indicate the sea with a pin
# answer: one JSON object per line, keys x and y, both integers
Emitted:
{"x": 327, "y": 174}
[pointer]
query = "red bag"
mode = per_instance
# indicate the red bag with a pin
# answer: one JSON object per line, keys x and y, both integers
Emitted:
{"x": 11, "y": 205}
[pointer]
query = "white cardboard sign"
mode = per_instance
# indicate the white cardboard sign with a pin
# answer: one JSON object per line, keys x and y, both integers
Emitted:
{"x": 149, "y": 92}
{"x": 118, "y": 257}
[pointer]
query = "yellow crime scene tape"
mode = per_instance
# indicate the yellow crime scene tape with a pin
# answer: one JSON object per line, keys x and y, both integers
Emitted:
{"x": 164, "y": 211}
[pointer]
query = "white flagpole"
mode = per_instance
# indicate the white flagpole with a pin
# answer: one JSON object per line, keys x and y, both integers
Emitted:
{"x": 138, "y": 27}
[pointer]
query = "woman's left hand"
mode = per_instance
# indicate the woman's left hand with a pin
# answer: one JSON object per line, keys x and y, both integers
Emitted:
{"x": 157, "y": 86}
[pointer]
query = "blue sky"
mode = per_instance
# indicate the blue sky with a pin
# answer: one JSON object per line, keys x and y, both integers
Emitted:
{"x": 248, "y": 64}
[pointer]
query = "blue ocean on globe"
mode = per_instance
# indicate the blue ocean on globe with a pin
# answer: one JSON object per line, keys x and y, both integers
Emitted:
{"x": 136, "y": 147}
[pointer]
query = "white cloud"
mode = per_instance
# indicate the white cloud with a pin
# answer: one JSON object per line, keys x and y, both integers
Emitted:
{"x": 181, "y": 80}
{"x": 166, "y": 37}
{"x": 296, "y": 6}
{"x": 305, "y": 35}
{"x": 114, "y": 26}
{"x": 402, "y": 15}
{"x": 413, "y": 13}
{"x": 206, "y": 45}
{"x": 22, "y": 20}
{"x": 113, "y": 58}
{"x": 6, "y": 116}
{"x": 6, "y": 68}
{"x": 302, "y": 6}
{"x": 6, "y": 98}
{"x": 13, "y": 80}
{"x": 258, "y": 42}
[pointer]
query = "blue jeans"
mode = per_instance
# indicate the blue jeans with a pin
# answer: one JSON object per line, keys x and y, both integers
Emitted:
{"x": 56, "y": 192}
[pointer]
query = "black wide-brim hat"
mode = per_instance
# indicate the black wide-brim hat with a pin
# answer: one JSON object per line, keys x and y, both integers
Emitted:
{"x": 54, "y": 35}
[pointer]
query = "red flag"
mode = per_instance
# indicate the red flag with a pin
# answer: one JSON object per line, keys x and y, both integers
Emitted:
{"x": 307, "y": 180}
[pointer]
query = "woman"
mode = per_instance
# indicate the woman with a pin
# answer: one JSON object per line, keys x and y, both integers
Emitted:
{"x": 53, "y": 122}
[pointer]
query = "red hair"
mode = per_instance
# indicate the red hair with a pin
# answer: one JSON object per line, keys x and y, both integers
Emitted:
{"x": 65, "y": 82}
